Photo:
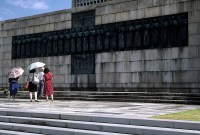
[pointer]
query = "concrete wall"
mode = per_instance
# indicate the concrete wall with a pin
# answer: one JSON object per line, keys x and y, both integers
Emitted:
{"x": 177, "y": 67}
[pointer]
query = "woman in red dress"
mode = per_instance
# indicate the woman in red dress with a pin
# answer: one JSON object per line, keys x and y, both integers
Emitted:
{"x": 48, "y": 85}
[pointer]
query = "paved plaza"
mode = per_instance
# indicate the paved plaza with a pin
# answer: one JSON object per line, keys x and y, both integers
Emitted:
{"x": 97, "y": 108}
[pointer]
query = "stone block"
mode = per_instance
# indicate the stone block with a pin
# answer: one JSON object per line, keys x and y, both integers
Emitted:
{"x": 184, "y": 125}
{"x": 184, "y": 52}
{"x": 108, "y": 67}
{"x": 3, "y": 33}
{"x": 60, "y": 25}
{"x": 98, "y": 68}
{"x": 35, "y": 22}
{"x": 68, "y": 79}
{"x": 119, "y": 17}
{"x": 105, "y": 78}
{"x": 167, "y": 77}
{"x": 166, "y": 10}
{"x": 99, "y": 11}
{"x": 153, "y": 11}
{"x": 24, "y": 23}
{"x": 66, "y": 59}
{"x": 63, "y": 17}
{"x": 37, "y": 29}
{"x": 144, "y": 3}
{"x": 1, "y": 26}
{"x": 157, "y": 65}
{"x": 26, "y": 128}
{"x": 6, "y": 126}
{"x": 49, "y": 27}
{"x": 153, "y": 54}
{"x": 125, "y": 78}
{"x": 149, "y": 65}
{"x": 175, "y": 64}
{"x": 44, "y": 20}
{"x": 176, "y": 1}
{"x": 194, "y": 40}
{"x": 195, "y": 5}
{"x": 194, "y": 64}
{"x": 109, "y": 9}
{"x": 126, "y": 16}
{"x": 175, "y": 53}
{"x": 160, "y": 2}
{"x": 134, "y": 66}
{"x": 194, "y": 28}
{"x": 98, "y": 78}
{"x": 184, "y": 64}
{"x": 94, "y": 127}
{"x": 30, "y": 30}
{"x": 141, "y": 14}
{"x": 1, "y": 43}
{"x": 105, "y": 19}
{"x": 175, "y": 8}
{"x": 166, "y": 65}
{"x": 133, "y": 14}
{"x": 119, "y": 67}
{"x": 122, "y": 56}
{"x": 4, "y": 119}
{"x": 189, "y": 76}
{"x": 129, "y": 5}
{"x": 68, "y": 16}
{"x": 98, "y": 58}
{"x": 135, "y": 77}
{"x": 7, "y": 63}
{"x": 54, "y": 18}
{"x": 68, "y": 24}
{"x": 98, "y": 20}
{"x": 194, "y": 17}
{"x": 6, "y": 41}
{"x": 108, "y": 57}
{"x": 7, "y": 56}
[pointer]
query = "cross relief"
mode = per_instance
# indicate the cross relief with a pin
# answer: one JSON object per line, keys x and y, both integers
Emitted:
{"x": 85, "y": 39}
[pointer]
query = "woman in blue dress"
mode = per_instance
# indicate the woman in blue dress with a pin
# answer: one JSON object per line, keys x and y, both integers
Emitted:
{"x": 13, "y": 87}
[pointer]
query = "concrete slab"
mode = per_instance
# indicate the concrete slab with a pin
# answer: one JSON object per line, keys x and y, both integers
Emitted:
{"x": 93, "y": 108}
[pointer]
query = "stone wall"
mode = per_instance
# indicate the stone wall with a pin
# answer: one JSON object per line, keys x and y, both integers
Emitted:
{"x": 177, "y": 67}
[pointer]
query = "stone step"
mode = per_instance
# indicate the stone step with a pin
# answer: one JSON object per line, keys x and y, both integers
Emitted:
{"x": 39, "y": 129}
{"x": 121, "y": 94}
{"x": 8, "y": 132}
{"x": 7, "y": 116}
{"x": 93, "y": 125}
{"x": 153, "y": 97}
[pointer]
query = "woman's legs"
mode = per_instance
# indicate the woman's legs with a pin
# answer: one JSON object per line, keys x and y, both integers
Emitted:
{"x": 47, "y": 97}
{"x": 31, "y": 96}
{"x": 51, "y": 97}
{"x": 35, "y": 96}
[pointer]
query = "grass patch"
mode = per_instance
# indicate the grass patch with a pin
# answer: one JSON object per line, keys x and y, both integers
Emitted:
{"x": 190, "y": 115}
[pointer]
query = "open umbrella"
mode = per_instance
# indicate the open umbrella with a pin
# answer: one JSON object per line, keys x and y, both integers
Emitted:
{"x": 15, "y": 72}
{"x": 36, "y": 65}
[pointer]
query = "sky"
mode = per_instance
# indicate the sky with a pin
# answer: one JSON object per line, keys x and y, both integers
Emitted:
{"x": 10, "y": 9}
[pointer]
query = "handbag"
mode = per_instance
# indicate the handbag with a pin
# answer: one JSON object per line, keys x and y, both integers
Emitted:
{"x": 35, "y": 80}
{"x": 26, "y": 85}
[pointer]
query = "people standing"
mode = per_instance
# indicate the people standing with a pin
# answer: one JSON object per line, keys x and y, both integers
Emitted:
{"x": 32, "y": 85}
{"x": 41, "y": 83}
{"x": 13, "y": 87}
{"x": 48, "y": 85}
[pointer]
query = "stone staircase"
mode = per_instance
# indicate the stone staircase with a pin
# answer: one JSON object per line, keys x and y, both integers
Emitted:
{"x": 184, "y": 96}
{"x": 28, "y": 123}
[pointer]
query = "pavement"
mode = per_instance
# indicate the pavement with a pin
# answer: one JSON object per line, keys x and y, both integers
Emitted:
{"x": 119, "y": 109}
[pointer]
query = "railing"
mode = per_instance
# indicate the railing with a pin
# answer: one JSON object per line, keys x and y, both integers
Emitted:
{"x": 79, "y": 3}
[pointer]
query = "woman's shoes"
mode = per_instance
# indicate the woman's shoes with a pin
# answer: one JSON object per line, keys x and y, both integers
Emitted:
{"x": 36, "y": 101}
